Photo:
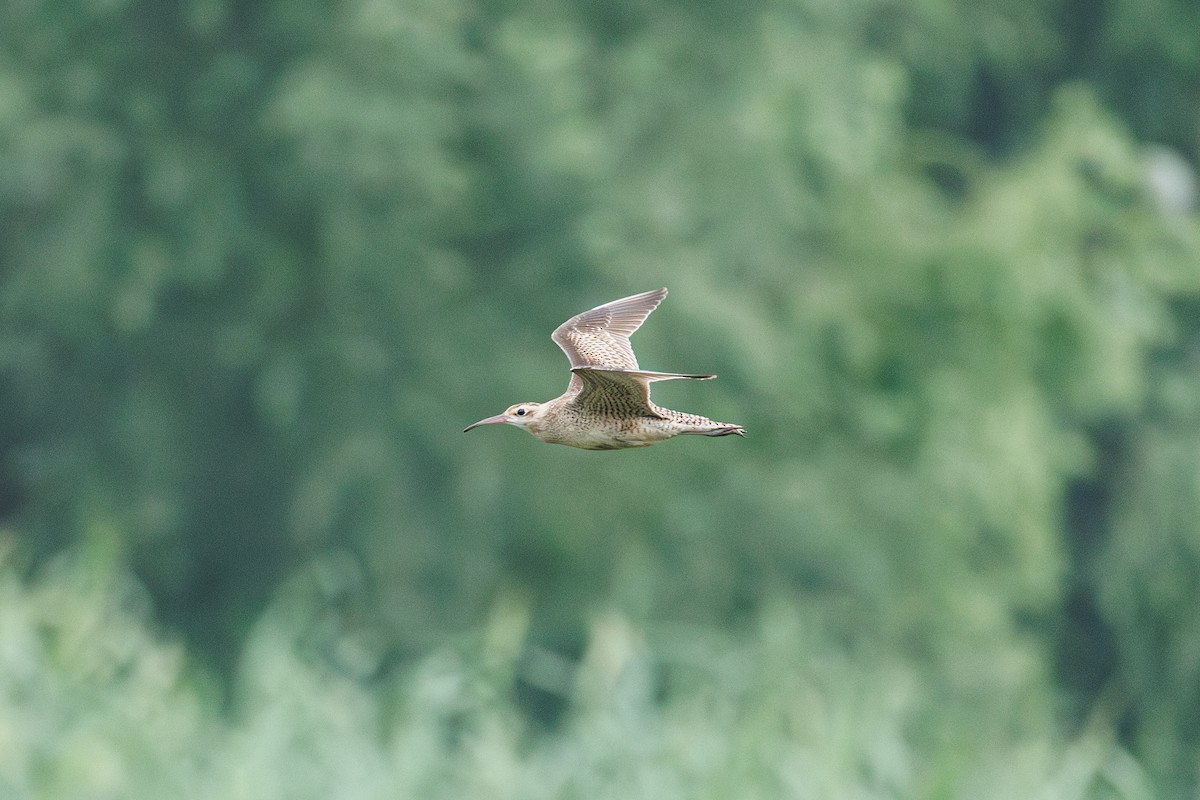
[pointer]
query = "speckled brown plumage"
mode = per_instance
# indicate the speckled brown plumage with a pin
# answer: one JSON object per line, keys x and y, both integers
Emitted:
{"x": 607, "y": 404}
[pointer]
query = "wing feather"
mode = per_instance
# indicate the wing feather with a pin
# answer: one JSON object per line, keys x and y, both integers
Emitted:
{"x": 599, "y": 338}
{"x": 613, "y": 393}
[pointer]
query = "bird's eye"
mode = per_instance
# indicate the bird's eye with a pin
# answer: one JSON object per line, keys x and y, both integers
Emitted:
{"x": 520, "y": 412}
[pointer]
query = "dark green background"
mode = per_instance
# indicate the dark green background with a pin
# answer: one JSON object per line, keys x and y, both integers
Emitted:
{"x": 261, "y": 262}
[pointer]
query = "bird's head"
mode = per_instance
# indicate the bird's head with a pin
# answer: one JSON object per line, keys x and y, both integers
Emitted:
{"x": 521, "y": 415}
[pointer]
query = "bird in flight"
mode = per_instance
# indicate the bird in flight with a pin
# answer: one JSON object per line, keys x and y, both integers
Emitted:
{"x": 607, "y": 404}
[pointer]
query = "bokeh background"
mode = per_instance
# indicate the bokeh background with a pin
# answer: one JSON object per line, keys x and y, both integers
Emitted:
{"x": 262, "y": 260}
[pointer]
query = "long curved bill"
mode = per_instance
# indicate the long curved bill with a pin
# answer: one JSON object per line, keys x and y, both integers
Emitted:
{"x": 488, "y": 421}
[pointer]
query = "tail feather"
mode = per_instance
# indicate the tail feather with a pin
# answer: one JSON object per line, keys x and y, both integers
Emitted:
{"x": 726, "y": 430}
{"x": 710, "y": 428}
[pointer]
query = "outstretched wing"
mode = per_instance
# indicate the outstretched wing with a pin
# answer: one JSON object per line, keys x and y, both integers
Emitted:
{"x": 605, "y": 393}
{"x": 600, "y": 338}
{"x": 620, "y": 393}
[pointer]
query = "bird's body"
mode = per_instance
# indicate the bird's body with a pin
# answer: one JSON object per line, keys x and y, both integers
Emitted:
{"x": 607, "y": 404}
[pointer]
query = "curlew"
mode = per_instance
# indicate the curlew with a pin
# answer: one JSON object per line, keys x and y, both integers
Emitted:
{"x": 607, "y": 404}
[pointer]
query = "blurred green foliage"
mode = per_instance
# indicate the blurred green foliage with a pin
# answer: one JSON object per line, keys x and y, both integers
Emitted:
{"x": 263, "y": 261}
{"x": 96, "y": 707}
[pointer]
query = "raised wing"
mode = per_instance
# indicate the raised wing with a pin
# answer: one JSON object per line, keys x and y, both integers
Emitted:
{"x": 600, "y": 338}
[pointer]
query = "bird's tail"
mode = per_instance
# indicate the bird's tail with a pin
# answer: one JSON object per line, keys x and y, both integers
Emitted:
{"x": 703, "y": 426}
{"x": 726, "y": 430}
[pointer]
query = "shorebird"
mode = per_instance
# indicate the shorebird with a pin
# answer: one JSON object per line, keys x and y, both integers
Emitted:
{"x": 607, "y": 404}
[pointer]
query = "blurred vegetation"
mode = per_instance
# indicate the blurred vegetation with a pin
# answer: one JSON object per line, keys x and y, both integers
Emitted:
{"x": 263, "y": 261}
